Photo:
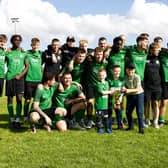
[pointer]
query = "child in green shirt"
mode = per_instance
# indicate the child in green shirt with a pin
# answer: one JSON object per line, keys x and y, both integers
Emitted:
{"x": 101, "y": 102}
{"x": 117, "y": 85}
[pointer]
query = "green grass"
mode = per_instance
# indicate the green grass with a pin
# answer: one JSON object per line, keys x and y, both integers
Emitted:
{"x": 77, "y": 149}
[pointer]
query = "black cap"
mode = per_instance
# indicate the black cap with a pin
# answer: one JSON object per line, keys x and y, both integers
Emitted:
{"x": 70, "y": 38}
{"x": 130, "y": 66}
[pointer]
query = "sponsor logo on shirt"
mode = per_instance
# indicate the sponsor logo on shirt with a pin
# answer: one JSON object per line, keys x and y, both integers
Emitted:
{"x": 16, "y": 61}
{"x": 2, "y": 57}
{"x": 35, "y": 60}
{"x": 105, "y": 96}
{"x": 58, "y": 58}
{"x": 21, "y": 55}
{"x": 48, "y": 56}
{"x": 139, "y": 58}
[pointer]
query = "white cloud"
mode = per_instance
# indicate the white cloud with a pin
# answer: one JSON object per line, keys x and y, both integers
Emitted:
{"x": 40, "y": 18}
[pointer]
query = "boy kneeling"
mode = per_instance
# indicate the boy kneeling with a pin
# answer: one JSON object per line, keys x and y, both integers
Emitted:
{"x": 42, "y": 105}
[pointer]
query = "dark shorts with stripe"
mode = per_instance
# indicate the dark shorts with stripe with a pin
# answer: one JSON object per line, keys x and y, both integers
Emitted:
{"x": 89, "y": 92}
{"x": 152, "y": 95}
{"x": 14, "y": 87}
{"x": 102, "y": 113}
{"x": 30, "y": 88}
{"x": 49, "y": 112}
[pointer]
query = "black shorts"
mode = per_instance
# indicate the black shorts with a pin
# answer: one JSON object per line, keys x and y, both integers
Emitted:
{"x": 152, "y": 95}
{"x": 89, "y": 92}
{"x": 101, "y": 113}
{"x": 49, "y": 112}
{"x": 14, "y": 87}
{"x": 165, "y": 90}
{"x": 30, "y": 88}
{"x": 1, "y": 85}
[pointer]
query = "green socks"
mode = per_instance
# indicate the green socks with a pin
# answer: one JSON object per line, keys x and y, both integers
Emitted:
{"x": 79, "y": 115}
{"x": 161, "y": 118}
{"x": 26, "y": 108}
{"x": 10, "y": 110}
{"x": 18, "y": 110}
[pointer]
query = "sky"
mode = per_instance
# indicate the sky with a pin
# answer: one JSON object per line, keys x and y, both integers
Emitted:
{"x": 76, "y": 7}
{"x": 84, "y": 19}
{"x": 79, "y": 7}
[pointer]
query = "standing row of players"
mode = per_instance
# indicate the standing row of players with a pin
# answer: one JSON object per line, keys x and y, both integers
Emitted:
{"x": 76, "y": 78}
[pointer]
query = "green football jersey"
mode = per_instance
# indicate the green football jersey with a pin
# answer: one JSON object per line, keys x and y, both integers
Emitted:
{"x": 116, "y": 59}
{"x": 60, "y": 97}
{"x": 15, "y": 63}
{"x": 77, "y": 72}
{"x": 92, "y": 76}
{"x": 34, "y": 73}
{"x": 138, "y": 59}
{"x": 2, "y": 63}
{"x": 116, "y": 84}
{"x": 101, "y": 101}
{"x": 44, "y": 96}
{"x": 163, "y": 57}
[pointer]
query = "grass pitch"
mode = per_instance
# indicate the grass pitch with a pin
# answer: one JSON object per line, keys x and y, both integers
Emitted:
{"x": 81, "y": 149}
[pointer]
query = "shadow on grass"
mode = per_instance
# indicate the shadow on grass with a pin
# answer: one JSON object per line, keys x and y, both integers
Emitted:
{"x": 4, "y": 117}
{"x": 5, "y": 124}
